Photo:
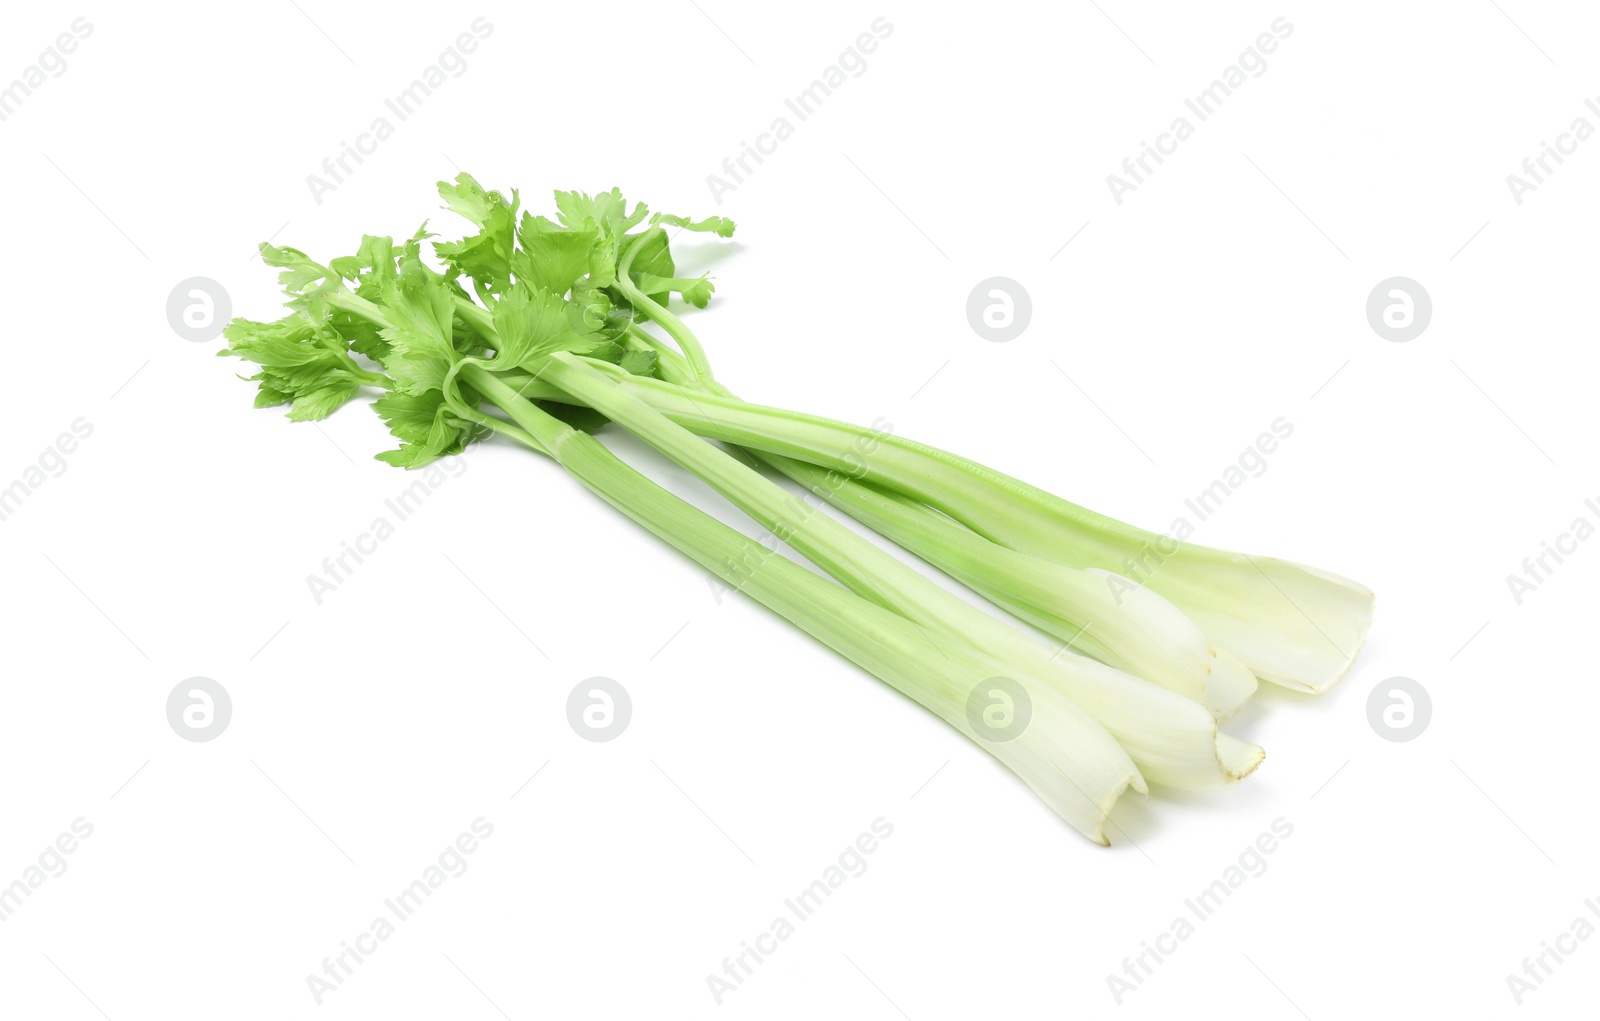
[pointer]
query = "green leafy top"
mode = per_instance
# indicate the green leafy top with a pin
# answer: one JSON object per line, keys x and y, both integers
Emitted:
{"x": 507, "y": 297}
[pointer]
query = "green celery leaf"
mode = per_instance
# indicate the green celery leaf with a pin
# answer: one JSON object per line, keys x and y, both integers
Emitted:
{"x": 324, "y": 401}
{"x": 606, "y": 210}
{"x": 371, "y": 270}
{"x": 640, "y": 363}
{"x": 553, "y": 257}
{"x": 694, "y": 290}
{"x": 600, "y": 316}
{"x": 302, "y": 277}
{"x": 425, "y": 426}
{"x": 534, "y": 324}
{"x": 719, "y": 225}
{"x": 421, "y": 330}
{"x": 266, "y": 396}
{"x": 485, "y": 256}
{"x": 284, "y": 342}
{"x": 301, "y": 362}
{"x": 608, "y": 351}
{"x": 607, "y": 213}
{"x": 652, "y": 258}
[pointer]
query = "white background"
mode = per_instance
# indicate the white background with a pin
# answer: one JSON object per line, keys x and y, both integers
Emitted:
{"x": 369, "y": 731}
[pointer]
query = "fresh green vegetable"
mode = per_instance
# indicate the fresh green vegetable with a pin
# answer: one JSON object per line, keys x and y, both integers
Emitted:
{"x": 1105, "y": 615}
{"x": 1290, "y": 624}
{"x": 532, "y": 331}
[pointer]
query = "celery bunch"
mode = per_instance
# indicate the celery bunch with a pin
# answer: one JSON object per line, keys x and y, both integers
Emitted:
{"x": 534, "y": 330}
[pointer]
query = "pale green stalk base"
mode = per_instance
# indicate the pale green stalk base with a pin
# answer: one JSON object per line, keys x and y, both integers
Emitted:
{"x": 1115, "y": 621}
{"x": 1290, "y": 624}
{"x": 1112, "y": 619}
{"x": 1067, "y": 758}
{"x": 1173, "y": 740}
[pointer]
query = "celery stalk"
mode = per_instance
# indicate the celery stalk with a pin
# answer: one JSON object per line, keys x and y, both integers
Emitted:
{"x": 1290, "y": 624}
{"x": 1064, "y": 755}
{"x": 1173, "y": 740}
